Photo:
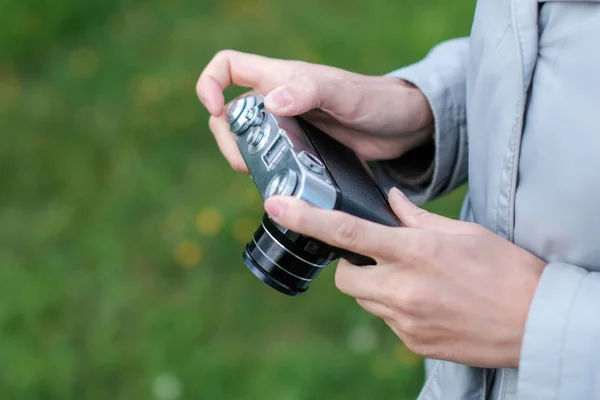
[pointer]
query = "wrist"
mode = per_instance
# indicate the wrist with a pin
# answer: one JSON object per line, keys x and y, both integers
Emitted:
{"x": 529, "y": 281}
{"x": 417, "y": 116}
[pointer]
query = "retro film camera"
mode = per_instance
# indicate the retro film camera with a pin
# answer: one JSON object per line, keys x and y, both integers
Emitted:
{"x": 288, "y": 156}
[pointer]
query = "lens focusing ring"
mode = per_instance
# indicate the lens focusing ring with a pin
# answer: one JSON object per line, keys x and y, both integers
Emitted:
{"x": 289, "y": 251}
{"x": 280, "y": 267}
{"x": 265, "y": 277}
{"x": 288, "y": 265}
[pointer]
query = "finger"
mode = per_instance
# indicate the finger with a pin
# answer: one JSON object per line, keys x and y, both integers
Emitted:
{"x": 333, "y": 227}
{"x": 331, "y": 91}
{"x": 391, "y": 323}
{"x": 367, "y": 283}
{"x": 241, "y": 69}
{"x": 376, "y": 308}
{"x": 415, "y": 217}
{"x": 226, "y": 143}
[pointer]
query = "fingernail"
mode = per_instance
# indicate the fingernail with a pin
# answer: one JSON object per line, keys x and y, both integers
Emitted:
{"x": 397, "y": 193}
{"x": 278, "y": 98}
{"x": 274, "y": 208}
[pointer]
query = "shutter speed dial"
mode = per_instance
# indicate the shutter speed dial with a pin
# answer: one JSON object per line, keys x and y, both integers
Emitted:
{"x": 244, "y": 113}
{"x": 235, "y": 109}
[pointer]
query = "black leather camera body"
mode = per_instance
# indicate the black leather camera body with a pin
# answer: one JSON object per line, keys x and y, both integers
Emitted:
{"x": 288, "y": 156}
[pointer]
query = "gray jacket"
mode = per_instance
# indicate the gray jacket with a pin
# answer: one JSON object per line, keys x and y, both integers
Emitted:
{"x": 516, "y": 109}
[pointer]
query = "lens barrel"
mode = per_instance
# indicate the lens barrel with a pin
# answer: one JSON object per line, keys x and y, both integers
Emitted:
{"x": 284, "y": 260}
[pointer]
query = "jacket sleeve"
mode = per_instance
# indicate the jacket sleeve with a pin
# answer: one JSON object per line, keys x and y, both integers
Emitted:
{"x": 560, "y": 355}
{"x": 441, "y": 166}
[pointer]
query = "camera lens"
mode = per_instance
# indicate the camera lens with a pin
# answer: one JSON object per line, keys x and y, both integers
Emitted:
{"x": 284, "y": 260}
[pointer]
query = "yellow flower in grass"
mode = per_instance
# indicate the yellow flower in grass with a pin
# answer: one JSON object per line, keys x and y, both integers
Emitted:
{"x": 257, "y": 9}
{"x": 303, "y": 50}
{"x": 383, "y": 367}
{"x": 185, "y": 82}
{"x": 10, "y": 88}
{"x": 252, "y": 198}
{"x": 26, "y": 24}
{"x": 407, "y": 357}
{"x": 84, "y": 63}
{"x": 209, "y": 221}
{"x": 187, "y": 254}
{"x": 145, "y": 90}
{"x": 243, "y": 229}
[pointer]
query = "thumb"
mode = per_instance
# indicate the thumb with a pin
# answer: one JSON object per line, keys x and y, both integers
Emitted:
{"x": 415, "y": 217}
{"x": 338, "y": 96}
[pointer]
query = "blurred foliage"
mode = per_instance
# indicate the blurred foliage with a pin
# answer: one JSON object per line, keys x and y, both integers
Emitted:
{"x": 121, "y": 226}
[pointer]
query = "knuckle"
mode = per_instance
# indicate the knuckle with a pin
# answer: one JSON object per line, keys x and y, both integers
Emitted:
{"x": 299, "y": 68}
{"x": 415, "y": 346}
{"x": 408, "y": 327}
{"x": 218, "y": 129}
{"x": 212, "y": 124}
{"x": 199, "y": 85}
{"x": 311, "y": 87}
{"x": 407, "y": 297}
{"x": 362, "y": 303}
{"x": 306, "y": 80}
{"x": 285, "y": 71}
{"x": 355, "y": 107}
{"x": 412, "y": 249}
{"x": 343, "y": 279}
{"x": 388, "y": 289}
{"x": 225, "y": 54}
{"x": 340, "y": 280}
{"x": 413, "y": 298}
{"x": 432, "y": 247}
{"x": 299, "y": 220}
{"x": 346, "y": 233}
{"x": 419, "y": 214}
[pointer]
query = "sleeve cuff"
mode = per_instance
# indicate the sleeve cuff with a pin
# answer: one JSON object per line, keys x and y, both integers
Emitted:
{"x": 560, "y": 356}
{"x": 414, "y": 168}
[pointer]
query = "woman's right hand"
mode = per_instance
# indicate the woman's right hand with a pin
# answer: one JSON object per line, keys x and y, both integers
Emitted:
{"x": 378, "y": 117}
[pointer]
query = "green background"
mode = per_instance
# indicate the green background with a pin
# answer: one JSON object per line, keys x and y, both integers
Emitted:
{"x": 121, "y": 226}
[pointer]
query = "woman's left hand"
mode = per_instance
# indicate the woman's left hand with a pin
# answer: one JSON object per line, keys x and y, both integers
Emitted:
{"x": 449, "y": 289}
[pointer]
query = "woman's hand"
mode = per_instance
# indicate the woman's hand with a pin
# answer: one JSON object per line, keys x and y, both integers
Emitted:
{"x": 450, "y": 290}
{"x": 378, "y": 117}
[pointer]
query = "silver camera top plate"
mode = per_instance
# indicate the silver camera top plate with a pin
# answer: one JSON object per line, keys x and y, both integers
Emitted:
{"x": 278, "y": 154}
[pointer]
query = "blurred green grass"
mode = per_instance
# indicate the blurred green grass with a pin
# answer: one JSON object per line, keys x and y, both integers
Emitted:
{"x": 121, "y": 226}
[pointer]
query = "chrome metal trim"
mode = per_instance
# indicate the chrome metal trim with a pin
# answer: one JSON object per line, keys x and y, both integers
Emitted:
{"x": 279, "y": 266}
{"x": 283, "y": 247}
